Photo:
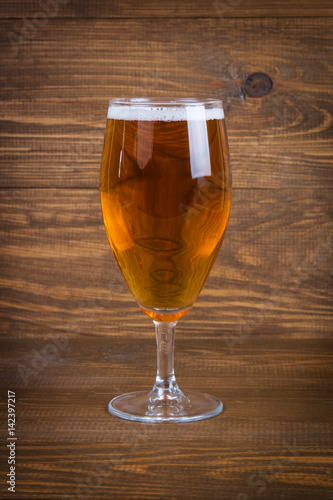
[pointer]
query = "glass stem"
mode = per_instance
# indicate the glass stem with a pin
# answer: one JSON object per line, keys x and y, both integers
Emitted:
{"x": 165, "y": 387}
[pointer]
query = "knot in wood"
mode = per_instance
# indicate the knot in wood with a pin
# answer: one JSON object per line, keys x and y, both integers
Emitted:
{"x": 258, "y": 85}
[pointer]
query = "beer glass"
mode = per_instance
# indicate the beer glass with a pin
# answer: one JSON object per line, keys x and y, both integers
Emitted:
{"x": 165, "y": 196}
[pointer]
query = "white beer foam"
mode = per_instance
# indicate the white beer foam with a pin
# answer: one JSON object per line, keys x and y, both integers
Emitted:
{"x": 164, "y": 114}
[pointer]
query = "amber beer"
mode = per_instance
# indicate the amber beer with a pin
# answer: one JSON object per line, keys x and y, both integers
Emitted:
{"x": 166, "y": 194}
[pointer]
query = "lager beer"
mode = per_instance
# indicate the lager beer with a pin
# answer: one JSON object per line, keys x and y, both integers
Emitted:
{"x": 165, "y": 194}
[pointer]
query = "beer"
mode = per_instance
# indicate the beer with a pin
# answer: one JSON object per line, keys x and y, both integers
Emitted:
{"x": 165, "y": 195}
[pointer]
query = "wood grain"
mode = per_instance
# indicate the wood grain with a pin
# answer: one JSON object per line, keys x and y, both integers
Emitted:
{"x": 276, "y": 397}
{"x": 272, "y": 276}
{"x": 55, "y": 91}
{"x": 72, "y": 337}
{"x": 168, "y": 8}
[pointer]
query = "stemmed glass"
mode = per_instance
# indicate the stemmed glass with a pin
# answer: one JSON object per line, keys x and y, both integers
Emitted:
{"x": 165, "y": 195}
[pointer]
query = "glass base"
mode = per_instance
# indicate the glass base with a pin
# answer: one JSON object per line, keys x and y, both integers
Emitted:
{"x": 143, "y": 406}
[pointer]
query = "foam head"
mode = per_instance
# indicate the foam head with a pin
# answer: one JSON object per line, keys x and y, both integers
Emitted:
{"x": 147, "y": 111}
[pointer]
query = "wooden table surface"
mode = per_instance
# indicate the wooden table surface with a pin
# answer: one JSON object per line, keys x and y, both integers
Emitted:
{"x": 273, "y": 439}
{"x": 259, "y": 336}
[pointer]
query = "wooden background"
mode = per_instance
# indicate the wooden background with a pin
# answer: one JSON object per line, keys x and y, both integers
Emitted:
{"x": 259, "y": 335}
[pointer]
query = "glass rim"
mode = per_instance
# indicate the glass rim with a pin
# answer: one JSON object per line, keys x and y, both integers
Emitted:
{"x": 166, "y": 102}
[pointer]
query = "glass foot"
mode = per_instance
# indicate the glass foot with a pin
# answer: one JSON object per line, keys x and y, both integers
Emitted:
{"x": 143, "y": 406}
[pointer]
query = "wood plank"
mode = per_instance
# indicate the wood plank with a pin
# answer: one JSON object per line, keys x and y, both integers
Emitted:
{"x": 167, "y": 8}
{"x": 53, "y": 113}
{"x": 66, "y": 437}
{"x": 272, "y": 276}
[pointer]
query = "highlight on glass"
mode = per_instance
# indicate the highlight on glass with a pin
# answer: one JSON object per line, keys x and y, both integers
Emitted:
{"x": 165, "y": 195}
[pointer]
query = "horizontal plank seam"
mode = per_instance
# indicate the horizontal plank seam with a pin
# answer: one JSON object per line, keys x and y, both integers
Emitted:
{"x": 90, "y": 188}
{"x": 144, "y": 18}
